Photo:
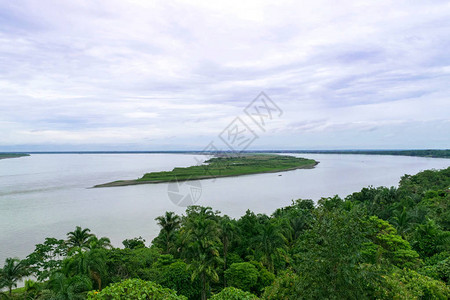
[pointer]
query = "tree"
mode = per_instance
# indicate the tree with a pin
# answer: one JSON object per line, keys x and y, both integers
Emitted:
{"x": 13, "y": 271}
{"x": 328, "y": 260}
{"x": 408, "y": 284}
{"x": 425, "y": 180}
{"x": 169, "y": 224}
{"x": 126, "y": 263}
{"x": 135, "y": 289}
{"x": 428, "y": 239}
{"x": 294, "y": 219}
{"x": 177, "y": 276}
{"x": 378, "y": 201}
{"x": 388, "y": 245}
{"x": 228, "y": 231}
{"x": 70, "y": 288}
{"x": 265, "y": 278}
{"x": 248, "y": 229}
{"x": 202, "y": 243}
{"x": 402, "y": 221}
{"x": 134, "y": 243}
{"x": 79, "y": 238}
{"x": 47, "y": 257}
{"x": 89, "y": 263}
{"x": 231, "y": 293}
{"x": 269, "y": 241}
{"x": 243, "y": 276}
{"x": 99, "y": 243}
{"x": 32, "y": 289}
{"x": 283, "y": 287}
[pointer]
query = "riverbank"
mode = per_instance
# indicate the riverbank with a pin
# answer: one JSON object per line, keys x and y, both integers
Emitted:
{"x": 223, "y": 166}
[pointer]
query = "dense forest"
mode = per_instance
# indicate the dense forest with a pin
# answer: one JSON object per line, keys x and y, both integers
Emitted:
{"x": 378, "y": 243}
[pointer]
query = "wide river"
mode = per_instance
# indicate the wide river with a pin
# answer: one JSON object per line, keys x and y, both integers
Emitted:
{"x": 47, "y": 195}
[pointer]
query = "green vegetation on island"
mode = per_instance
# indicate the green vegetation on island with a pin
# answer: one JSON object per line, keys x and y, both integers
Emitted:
{"x": 378, "y": 243}
{"x": 12, "y": 155}
{"x": 224, "y": 166}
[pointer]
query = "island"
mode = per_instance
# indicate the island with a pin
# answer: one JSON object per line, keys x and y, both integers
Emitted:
{"x": 223, "y": 165}
{"x": 12, "y": 155}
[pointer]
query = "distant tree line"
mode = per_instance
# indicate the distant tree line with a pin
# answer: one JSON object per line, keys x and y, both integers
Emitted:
{"x": 436, "y": 153}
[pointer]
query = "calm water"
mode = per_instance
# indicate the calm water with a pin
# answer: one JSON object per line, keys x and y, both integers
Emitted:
{"x": 47, "y": 195}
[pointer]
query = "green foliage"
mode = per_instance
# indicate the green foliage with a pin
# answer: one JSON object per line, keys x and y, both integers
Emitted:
{"x": 99, "y": 243}
{"x": 265, "y": 278}
{"x": 32, "y": 288}
{"x": 437, "y": 205}
{"x": 426, "y": 180}
{"x": 224, "y": 165}
{"x": 388, "y": 245}
{"x": 428, "y": 239}
{"x": 438, "y": 267}
{"x": 87, "y": 263}
{"x": 408, "y": 284}
{"x": 79, "y": 238}
{"x": 47, "y": 257}
{"x": 231, "y": 293}
{"x": 379, "y": 202}
{"x": 243, "y": 276}
{"x": 202, "y": 245}
{"x": 248, "y": 229}
{"x": 126, "y": 263}
{"x": 228, "y": 233}
{"x": 167, "y": 237}
{"x": 13, "y": 271}
{"x": 328, "y": 259}
{"x": 135, "y": 289}
{"x": 134, "y": 243}
{"x": 283, "y": 287}
{"x": 69, "y": 287}
{"x": 177, "y": 276}
{"x": 270, "y": 241}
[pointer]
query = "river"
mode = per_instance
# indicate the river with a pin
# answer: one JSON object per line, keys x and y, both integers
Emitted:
{"x": 47, "y": 195}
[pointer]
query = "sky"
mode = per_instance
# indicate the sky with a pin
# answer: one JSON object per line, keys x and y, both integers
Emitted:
{"x": 175, "y": 75}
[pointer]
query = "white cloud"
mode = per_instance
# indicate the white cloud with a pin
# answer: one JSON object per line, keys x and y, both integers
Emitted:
{"x": 139, "y": 72}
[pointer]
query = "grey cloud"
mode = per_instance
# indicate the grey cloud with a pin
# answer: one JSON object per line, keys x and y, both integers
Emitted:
{"x": 136, "y": 71}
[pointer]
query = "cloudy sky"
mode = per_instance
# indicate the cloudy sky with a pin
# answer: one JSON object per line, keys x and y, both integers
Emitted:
{"x": 168, "y": 75}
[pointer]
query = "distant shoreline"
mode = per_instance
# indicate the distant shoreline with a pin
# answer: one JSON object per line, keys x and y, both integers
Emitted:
{"x": 434, "y": 153}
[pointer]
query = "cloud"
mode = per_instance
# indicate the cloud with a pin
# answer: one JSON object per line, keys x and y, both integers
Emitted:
{"x": 105, "y": 74}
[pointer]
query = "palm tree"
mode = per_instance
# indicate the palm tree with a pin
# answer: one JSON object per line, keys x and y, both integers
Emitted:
{"x": 269, "y": 240}
{"x": 13, "y": 271}
{"x": 32, "y": 289}
{"x": 96, "y": 243}
{"x": 169, "y": 223}
{"x": 90, "y": 263}
{"x": 202, "y": 243}
{"x": 228, "y": 232}
{"x": 70, "y": 288}
{"x": 401, "y": 221}
{"x": 429, "y": 239}
{"x": 79, "y": 238}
